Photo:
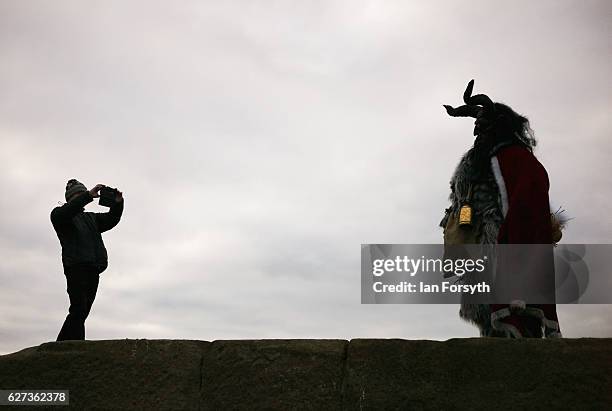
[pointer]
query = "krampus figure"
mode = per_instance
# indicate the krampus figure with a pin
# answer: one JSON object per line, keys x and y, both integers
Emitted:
{"x": 507, "y": 188}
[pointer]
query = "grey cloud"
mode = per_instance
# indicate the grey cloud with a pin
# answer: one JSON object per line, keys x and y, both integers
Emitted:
{"x": 258, "y": 144}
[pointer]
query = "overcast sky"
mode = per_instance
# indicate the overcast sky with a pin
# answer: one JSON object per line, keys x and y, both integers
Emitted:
{"x": 258, "y": 144}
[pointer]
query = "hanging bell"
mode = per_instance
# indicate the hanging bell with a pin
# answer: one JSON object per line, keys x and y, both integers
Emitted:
{"x": 465, "y": 215}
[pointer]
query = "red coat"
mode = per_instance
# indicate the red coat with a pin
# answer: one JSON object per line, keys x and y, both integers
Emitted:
{"x": 527, "y": 212}
{"x": 523, "y": 184}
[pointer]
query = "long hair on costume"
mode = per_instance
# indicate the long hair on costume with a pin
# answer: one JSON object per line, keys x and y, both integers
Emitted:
{"x": 509, "y": 125}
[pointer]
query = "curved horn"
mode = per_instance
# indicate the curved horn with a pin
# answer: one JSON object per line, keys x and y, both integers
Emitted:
{"x": 468, "y": 92}
{"x": 462, "y": 111}
{"x": 482, "y": 100}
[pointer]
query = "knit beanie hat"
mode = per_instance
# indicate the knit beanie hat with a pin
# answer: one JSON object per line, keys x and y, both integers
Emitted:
{"x": 74, "y": 186}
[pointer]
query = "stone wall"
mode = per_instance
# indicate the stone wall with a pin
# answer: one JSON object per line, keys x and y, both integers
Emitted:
{"x": 319, "y": 374}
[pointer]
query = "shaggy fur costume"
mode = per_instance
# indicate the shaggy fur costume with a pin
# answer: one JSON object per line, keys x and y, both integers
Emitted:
{"x": 510, "y": 206}
{"x": 497, "y": 177}
{"x": 487, "y": 209}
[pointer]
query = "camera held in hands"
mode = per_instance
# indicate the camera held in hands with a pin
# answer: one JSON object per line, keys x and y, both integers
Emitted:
{"x": 108, "y": 196}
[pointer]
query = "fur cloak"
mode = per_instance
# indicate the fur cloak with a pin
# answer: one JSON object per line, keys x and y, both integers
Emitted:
{"x": 510, "y": 202}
